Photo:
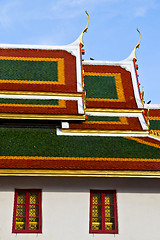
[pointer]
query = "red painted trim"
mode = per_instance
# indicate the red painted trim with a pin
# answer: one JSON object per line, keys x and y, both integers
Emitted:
{"x": 83, "y": 51}
{"x": 138, "y": 83}
{"x": 145, "y": 115}
{"x": 154, "y": 112}
{"x": 103, "y": 231}
{"x": 133, "y": 124}
{"x": 139, "y": 165}
{"x": 26, "y": 230}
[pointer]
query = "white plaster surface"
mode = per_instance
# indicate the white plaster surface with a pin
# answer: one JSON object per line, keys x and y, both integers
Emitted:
{"x": 65, "y": 207}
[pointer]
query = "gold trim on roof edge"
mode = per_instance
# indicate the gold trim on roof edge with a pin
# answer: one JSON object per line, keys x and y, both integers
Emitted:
{"x": 154, "y": 118}
{"x": 154, "y": 134}
{"x": 41, "y": 117}
{"x": 104, "y": 131}
{"x": 79, "y": 173}
{"x": 114, "y": 110}
{"x": 41, "y": 93}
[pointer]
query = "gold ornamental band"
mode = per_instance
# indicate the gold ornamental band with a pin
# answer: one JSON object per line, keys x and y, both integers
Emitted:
{"x": 41, "y": 93}
{"x": 41, "y": 116}
{"x": 107, "y": 110}
{"x": 105, "y": 131}
{"x": 79, "y": 173}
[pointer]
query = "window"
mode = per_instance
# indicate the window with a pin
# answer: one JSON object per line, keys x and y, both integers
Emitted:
{"x": 103, "y": 212}
{"x": 27, "y": 216}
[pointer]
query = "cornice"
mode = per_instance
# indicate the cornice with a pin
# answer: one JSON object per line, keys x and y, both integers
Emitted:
{"x": 79, "y": 173}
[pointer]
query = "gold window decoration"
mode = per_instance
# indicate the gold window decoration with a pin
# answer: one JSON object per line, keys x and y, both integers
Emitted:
{"x": 103, "y": 212}
{"x": 27, "y": 212}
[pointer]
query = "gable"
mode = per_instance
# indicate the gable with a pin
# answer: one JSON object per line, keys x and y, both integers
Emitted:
{"x": 37, "y": 70}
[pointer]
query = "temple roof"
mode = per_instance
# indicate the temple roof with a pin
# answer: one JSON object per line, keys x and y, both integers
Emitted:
{"x": 35, "y": 149}
{"x": 40, "y": 82}
{"x": 99, "y": 124}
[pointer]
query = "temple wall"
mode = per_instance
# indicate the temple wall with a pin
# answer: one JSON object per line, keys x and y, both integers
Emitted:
{"x": 65, "y": 207}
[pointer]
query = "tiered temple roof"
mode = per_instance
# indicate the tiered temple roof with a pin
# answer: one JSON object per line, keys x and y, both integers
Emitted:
{"x": 63, "y": 116}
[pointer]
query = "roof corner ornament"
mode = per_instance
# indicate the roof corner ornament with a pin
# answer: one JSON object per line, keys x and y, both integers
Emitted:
{"x": 137, "y": 46}
{"x": 85, "y": 30}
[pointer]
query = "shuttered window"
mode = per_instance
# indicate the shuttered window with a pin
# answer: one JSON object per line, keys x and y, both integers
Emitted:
{"x": 103, "y": 212}
{"x": 27, "y": 217}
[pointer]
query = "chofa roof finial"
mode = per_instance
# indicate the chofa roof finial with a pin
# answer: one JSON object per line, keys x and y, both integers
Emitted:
{"x": 85, "y": 30}
{"x": 137, "y": 46}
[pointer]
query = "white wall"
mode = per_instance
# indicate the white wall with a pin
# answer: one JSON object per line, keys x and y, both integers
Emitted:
{"x": 65, "y": 207}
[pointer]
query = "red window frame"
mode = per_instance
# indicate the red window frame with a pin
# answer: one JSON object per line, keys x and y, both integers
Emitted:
{"x": 115, "y": 217}
{"x": 27, "y": 204}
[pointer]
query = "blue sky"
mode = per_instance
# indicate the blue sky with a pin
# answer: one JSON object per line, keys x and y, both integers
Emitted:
{"x": 111, "y": 35}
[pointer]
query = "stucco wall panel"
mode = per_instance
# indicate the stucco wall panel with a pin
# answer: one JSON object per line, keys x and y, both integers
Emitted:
{"x": 65, "y": 207}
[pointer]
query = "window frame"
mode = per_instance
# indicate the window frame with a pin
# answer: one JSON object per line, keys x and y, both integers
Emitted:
{"x": 103, "y": 231}
{"x": 26, "y": 230}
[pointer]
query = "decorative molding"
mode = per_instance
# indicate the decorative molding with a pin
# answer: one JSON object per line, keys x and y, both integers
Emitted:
{"x": 102, "y": 133}
{"x": 79, "y": 173}
{"x": 41, "y": 116}
{"x": 40, "y": 93}
{"x": 107, "y": 110}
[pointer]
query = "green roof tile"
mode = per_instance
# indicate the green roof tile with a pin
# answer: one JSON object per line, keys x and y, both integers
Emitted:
{"x": 28, "y": 70}
{"x": 154, "y": 124}
{"x": 103, "y": 119}
{"x": 45, "y": 142}
{"x": 29, "y": 101}
{"x": 103, "y": 87}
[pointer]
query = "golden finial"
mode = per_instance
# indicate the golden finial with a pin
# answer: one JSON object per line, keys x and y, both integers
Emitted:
{"x": 85, "y": 30}
{"x": 137, "y": 46}
{"x": 142, "y": 99}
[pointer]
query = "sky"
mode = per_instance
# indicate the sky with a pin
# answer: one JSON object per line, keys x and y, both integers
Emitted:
{"x": 111, "y": 34}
